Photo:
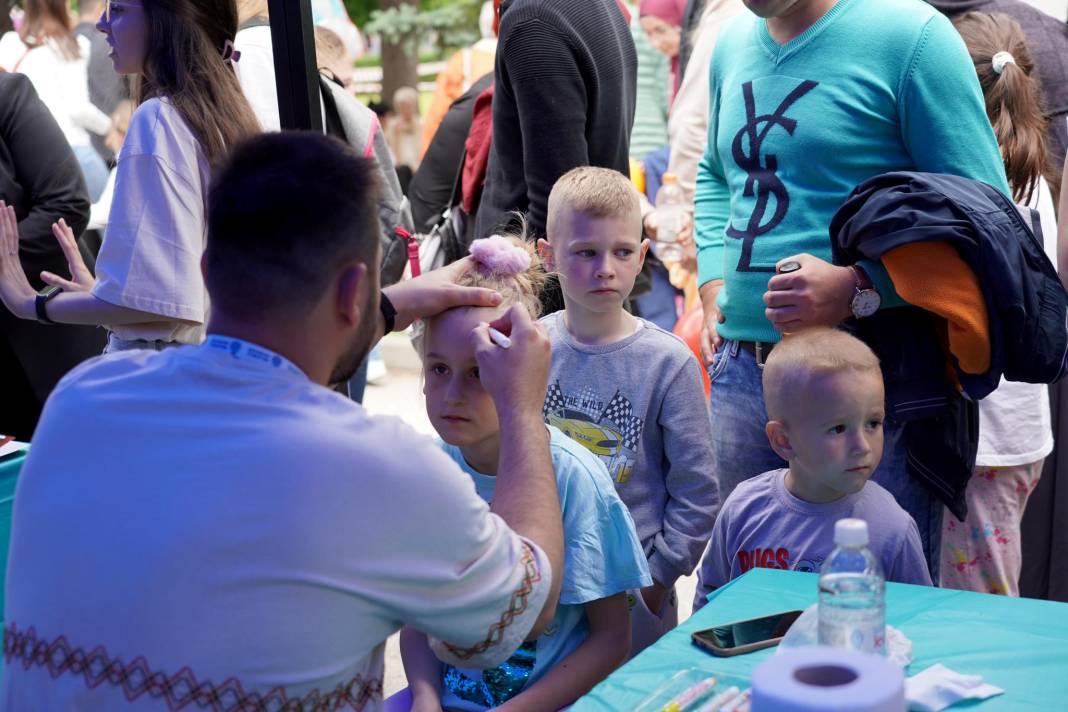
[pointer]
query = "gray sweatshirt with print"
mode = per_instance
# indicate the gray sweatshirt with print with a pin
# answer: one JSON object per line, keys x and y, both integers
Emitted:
{"x": 639, "y": 405}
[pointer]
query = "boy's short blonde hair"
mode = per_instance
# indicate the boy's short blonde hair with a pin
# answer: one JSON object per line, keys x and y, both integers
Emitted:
{"x": 813, "y": 352}
{"x": 595, "y": 192}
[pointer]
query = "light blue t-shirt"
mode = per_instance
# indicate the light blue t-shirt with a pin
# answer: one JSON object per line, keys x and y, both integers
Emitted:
{"x": 871, "y": 87}
{"x": 602, "y": 557}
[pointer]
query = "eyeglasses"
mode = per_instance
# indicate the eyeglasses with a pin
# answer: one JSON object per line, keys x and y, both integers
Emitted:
{"x": 113, "y": 5}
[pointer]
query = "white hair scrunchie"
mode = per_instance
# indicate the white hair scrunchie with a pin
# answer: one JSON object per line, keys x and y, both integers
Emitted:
{"x": 1000, "y": 60}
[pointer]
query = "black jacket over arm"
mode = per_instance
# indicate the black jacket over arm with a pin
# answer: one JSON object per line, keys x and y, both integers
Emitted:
{"x": 40, "y": 177}
{"x": 1026, "y": 307}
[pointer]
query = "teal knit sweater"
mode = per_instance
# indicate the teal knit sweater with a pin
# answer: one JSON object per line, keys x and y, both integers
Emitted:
{"x": 873, "y": 86}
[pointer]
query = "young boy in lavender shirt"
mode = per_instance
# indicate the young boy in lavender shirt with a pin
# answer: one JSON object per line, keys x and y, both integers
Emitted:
{"x": 823, "y": 390}
{"x": 628, "y": 391}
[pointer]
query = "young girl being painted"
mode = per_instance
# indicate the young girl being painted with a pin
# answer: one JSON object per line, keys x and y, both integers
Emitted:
{"x": 590, "y": 634}
{"x": 983, "y": 553}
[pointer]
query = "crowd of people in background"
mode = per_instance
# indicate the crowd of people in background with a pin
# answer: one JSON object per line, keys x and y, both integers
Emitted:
{"x": 870, "y": 234}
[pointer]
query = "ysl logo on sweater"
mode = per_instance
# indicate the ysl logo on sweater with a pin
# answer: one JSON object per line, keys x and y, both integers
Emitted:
{"x": 762, "y": 181}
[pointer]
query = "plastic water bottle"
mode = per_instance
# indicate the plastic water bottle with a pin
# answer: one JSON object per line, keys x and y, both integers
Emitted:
{"x": 670, "y": 217}
{"x": 852, "y": 609}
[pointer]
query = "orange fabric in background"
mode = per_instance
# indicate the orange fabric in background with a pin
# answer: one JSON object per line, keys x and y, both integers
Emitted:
{"x": 689, "y": 328}
{"x": 451, "y": 85}
{"x": 932, "y": 276}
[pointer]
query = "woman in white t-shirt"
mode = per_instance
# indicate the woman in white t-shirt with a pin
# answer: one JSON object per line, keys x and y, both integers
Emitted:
{"x": 148, "y": 290}
{"x": 56, "y": 61}
{"x": 1015, "y": 436}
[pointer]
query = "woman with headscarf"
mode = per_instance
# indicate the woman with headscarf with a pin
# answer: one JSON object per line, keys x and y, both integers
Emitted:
{"x": 662, "y": 22}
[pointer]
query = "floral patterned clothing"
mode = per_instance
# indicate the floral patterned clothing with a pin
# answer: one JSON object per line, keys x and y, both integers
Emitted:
{"x": 983, "y": 552}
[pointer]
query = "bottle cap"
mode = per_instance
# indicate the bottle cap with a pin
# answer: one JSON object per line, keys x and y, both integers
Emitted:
{"x": 669, "y": 178}
{"x": 851, "y": 532}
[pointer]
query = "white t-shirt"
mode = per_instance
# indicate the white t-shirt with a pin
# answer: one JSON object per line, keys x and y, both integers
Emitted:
{"x": 208, "y": 514}
{"x": 62, "y": 84}
{"x": 255, "y": 72}
{"x": 157, "y": 228}
{"x": 1014, "y": 420}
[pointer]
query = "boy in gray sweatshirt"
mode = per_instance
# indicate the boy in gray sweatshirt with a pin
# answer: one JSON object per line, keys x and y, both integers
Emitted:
{"x": 626, "y": 389}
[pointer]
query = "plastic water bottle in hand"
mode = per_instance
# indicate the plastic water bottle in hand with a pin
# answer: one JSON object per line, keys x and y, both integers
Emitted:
{"x": 852, "y": 609}
{"x": 670, "y": 218}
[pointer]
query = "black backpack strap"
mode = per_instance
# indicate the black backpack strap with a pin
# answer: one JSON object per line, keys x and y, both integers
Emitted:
{"x": 446, "y": 226}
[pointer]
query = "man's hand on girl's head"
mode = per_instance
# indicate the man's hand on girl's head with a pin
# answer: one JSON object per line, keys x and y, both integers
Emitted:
{"x": 436, "y": 291}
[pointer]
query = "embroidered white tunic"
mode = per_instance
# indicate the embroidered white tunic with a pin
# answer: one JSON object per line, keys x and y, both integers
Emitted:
{"x": 205, "y": 523}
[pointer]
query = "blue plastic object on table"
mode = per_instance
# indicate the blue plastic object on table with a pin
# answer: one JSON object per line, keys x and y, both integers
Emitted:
{"x": 1019, "y": 645}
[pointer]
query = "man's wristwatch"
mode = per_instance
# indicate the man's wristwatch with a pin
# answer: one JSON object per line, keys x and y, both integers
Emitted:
{"x": 866, "y": 301}
{"x": 43, "y": 297}
{"x": 389, "y": 312}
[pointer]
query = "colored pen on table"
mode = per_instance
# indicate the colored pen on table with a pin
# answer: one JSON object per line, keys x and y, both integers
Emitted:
{"x": 739, "y": 703}
{"x": 500, "y": 339}
{"x": 717, "y": 703}
{"x": 689, "y": 695}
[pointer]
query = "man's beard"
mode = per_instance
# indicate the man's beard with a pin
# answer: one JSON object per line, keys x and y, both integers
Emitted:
{"x": 349, "y": 361}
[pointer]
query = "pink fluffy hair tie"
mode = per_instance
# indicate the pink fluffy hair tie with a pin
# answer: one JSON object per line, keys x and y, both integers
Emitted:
{"x": 496, "y": 255}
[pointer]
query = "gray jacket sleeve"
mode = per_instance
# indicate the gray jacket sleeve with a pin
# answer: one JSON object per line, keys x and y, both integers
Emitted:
{"x": 693, "y": 494}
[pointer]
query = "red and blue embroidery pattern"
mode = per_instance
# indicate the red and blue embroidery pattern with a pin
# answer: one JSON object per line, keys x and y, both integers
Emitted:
{"x": 517, "y": 605}
{"x": 181, "y": 690}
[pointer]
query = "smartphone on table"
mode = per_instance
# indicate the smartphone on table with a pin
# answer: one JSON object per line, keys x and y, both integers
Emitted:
{"x": 746, "y": 636}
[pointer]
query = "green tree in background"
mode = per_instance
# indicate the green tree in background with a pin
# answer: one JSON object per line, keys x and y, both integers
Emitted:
{"x": 404, "y": 25}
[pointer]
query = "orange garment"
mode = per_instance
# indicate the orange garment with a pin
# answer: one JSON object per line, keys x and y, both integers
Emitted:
{"x": 461, "y": 71}
{"x": 932, "y": 276}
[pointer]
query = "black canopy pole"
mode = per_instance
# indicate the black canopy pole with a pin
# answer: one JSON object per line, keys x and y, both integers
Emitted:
{"x": 295, "y": 69}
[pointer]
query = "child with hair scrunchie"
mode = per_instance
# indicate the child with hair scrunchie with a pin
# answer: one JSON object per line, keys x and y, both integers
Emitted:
{"x": 590, "y": 634}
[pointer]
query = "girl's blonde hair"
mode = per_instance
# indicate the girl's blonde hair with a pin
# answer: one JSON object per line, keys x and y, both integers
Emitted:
{"x": 1014, "y": 101}
{"x": 521, "y": 288}
{"x": 515, "y": 288}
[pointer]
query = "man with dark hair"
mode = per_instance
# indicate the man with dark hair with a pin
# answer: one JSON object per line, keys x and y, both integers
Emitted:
{"x": 212, "y": 523}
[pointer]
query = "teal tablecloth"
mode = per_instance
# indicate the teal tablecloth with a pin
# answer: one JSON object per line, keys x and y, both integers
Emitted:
{"x": 1020, "y": 645}
{"x": 9, "y": 475}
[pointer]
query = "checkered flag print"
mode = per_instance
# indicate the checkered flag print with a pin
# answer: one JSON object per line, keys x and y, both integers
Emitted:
{"x": 619, "y": 413}
{"x": 554, "y": 400}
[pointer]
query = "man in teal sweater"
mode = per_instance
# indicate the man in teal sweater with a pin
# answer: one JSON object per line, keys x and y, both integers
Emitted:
{"x": 809, "y": 98}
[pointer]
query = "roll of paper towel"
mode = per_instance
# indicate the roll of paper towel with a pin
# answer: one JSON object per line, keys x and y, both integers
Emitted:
{"x": 818, "y": 679}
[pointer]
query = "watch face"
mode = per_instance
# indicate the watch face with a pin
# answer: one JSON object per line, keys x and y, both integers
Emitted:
{"x": 865, "y": 303}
